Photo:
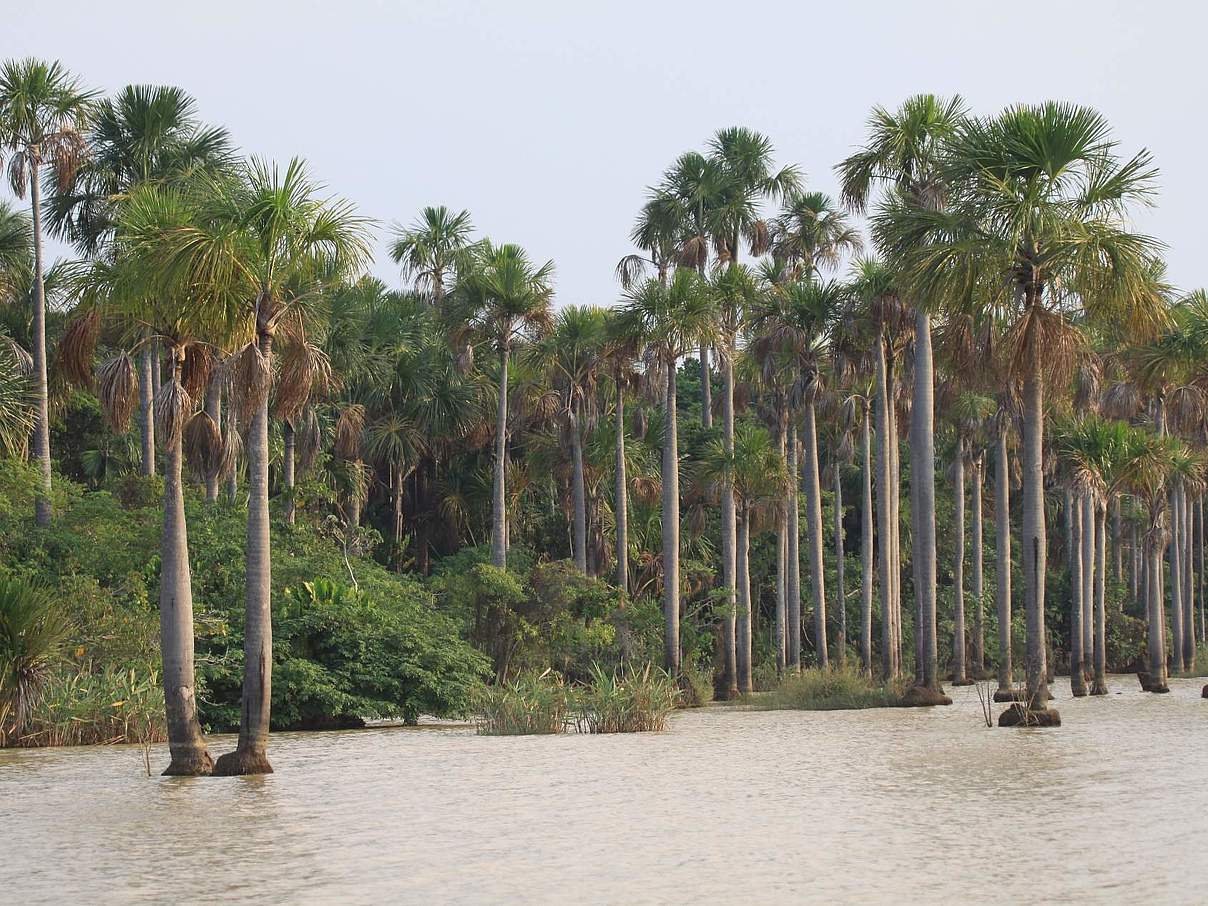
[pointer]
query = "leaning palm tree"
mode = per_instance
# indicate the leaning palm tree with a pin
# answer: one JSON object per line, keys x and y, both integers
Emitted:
{"x": 264, "y": 242}
{"x": 43, "y": 112}
{"x": 668, "y": 321}
{"x": 1034, "y": 224}
{"x": 432, "y": 248}
{"x": 503, "y": 298}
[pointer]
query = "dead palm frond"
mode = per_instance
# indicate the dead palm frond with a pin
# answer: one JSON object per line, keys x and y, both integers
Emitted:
{"x": 117, "y": 391}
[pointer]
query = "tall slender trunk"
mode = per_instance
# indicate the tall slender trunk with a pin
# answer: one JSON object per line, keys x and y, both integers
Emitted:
{"x": 885, "y": 516}
{"x": 621, "y": 498}
{"x": 782, "y": 567}
{"x": 42, "y": 504}
{"x": 579, "y": 493}
{"x": 1082, "y": 533}
{"x": 813, "y": 515}
{"x": 1154, "y": 611}
{"x": 729, "y": 537}
{"x": 706, "y": 389}
{"x": 1137, "y": 560}
{"x": 157, "y": 366}
{"x": 1117, "y": 540}
{"x": 840, "y": 584}
{"x": 895, "y": 526}
{"x": 1098, "y": 615}
{"x": 397, "y": 480}
{"x": 287, "y": 468}
{"x": 922, "y": 475}
{"x": 793, "y": 592}
{"x": 189, "y": 756}
{"x": 979, "y": 618}
{"x": 251, "y": 753}
{"x": 866, "y": 579}
{"x": 1175, "y": 549}
{"x": 959, "y": 671}
{"x": 1185, "y": 506}
{"x": 146, "y": 414}
{"x": 1091, "y": 573}
{"x": 499, "y": 540}
{"x": 1199, "y": 559}
{"x": 671, "y": 528}
{"x": 1034, "y": 538}
{"x": 213, "y": 406}
{"x": 745, "y": 684}
{"x": 1002, "y": 555}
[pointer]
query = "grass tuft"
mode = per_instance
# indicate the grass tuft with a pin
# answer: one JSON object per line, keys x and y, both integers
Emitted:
{"x": 828, "y": 690}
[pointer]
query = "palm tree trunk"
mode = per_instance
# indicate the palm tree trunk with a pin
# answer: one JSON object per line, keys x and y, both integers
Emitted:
{"x": 146, "y": 402}
{"x": 1176, "y": 577}
{"x": 1099, "y": 616}
{"x": 1117, "y": 540}
{"x": 729, "y": 539}
{"x": 671, "y": 528}
{"x": 1082, "y": 532}
{"x": 959, "y": 669}
{"x": 157, "y": 367}
{"x": 287, "y": 469}
{"x": 1091, "y": 573}
{"x": 866, "y": 579}
{"x": 813, "y": 515}
{"x": 42, "y": 504}
{"x": 1154, "y": 612}
{"x": 895, "y": 525}
{"x": 782, "y": 567}
{"x": 213, "y": 406}
{"x": 1137, "y": 561}
{"x": 706, "y": 389}
{"x": 621, "y": 498}
{"x": 251, "y": 753}
{"x": 793, "y": 592}
{"x": 885, "y": 516}
{"x": 189, "y": 756}
{"x": 979, "y": 618}
{"x": 1034, "y": 538}
{"x": 922, "y": 475}
{"x": 840, "y": 585}
{"x": 1185, "y": 506}
{"x": 745, "y": 684}
{"x": 1002, "y": 556}
{"x": 579, "y": 494}
{"x": 1199, "y": 560}
{"x": 499, "y": 540}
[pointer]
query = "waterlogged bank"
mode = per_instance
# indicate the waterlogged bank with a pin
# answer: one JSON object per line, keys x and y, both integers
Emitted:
{"x": 915, "y": 805}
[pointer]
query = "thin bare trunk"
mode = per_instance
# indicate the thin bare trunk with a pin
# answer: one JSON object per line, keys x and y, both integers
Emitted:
{"x": 729, "y": 539}
{"x": 42, "y": 503}
{"x": 1002, "y": 550}
{"x": 1175, "y": 549}
{"x": 813, "y": 515}
{"x": 499, "y": 539}
{"x": 866, "y": 554}
{"x": 579, "y": 495}
{"x": 146, "y": 401}
{"x": 287, "y": 469}
{"x": 1034, "y": 538}
{"x": 671, "y": 528}
{"x": 840, "y": 584}
{"x": 793, "y": 615}
{"x": 706, "y": 389}
{"x": 885, "y": 517}
{"x": 621, "y": 501}
{"x": 1082, "y": 532}
{"x": 745, "y": 684}
{"x": 959, "y": 670}
{"x": 214, "y": 410}
{"x": 1099, "y": 634}
{"x": 782, "y": 567}
{"x": 922, "y": 476}
{"x": 979, "y": 618}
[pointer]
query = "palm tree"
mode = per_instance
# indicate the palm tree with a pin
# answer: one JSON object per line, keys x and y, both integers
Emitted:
{"x": 571, "y": 353}
{"x": 43, "y": 112}
{"x": 668, "y": 321}
{"x": 505, "y": 297}
{"x": 33, "y": 630}
{"x": 266, "y": 240}
{"x": 433, "y": 248}
{"x": 1033, "y": 224}
{"x": 811, "y": 235}
{"x": 904, "y": 151}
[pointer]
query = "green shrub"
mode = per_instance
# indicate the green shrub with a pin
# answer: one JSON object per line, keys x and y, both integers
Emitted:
{"x": 105, "y": 707}
{"x": 828, "y": 690}
{"x": 32, "y": 632}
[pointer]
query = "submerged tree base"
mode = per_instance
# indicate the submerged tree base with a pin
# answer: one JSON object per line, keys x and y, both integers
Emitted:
{"x": 1204, "y": 693}
{"x": 964, "y": 682}
{"x": 1001, "y": 696}
{"x": 924, "y": 697}
{"x": 1149, "y": 685}
{"x": 190, "y": 764}
{"x": 1019, "y": 715}
{"x": 241, "y": 763}
{"x": 1098, "y": 688}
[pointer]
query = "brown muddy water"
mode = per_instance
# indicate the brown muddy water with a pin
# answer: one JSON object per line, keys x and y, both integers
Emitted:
{"x": 903, "y": 806}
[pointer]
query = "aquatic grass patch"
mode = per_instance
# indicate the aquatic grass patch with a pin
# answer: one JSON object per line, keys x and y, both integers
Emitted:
{"x": 639, "y": 701}
{"x": 829, "y": 690}
{"x": 79, "y": 707}
{"x": 530, "y": 704}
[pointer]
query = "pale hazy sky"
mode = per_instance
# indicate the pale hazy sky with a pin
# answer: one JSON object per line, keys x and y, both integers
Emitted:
{"x": 547, "y": 120}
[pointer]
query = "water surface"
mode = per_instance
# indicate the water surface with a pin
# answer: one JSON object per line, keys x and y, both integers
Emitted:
{"x": 726, "y": 806}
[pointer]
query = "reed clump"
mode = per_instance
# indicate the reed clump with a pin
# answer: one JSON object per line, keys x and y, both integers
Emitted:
{"x": 108, "y": 707}
{"x": 829, "y": 690}
{"x": 530, "y": 704}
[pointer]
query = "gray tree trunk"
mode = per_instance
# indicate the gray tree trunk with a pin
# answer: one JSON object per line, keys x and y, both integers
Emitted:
{"x": 895, "y": 525}
{"x": 287, "y": 468}
{"x": 189, "y": 756}
{"x": 979, "y": 618}
{"x": 671, "y": 529}
{"x": 885, "y": 517}
{"x": 1176, "y": 577}
{"x": 146, "y": 402}
{"x": 621, "y": 501}
{"x": 1034, "y": 539}
{"x": 499, "y": 540}
{"x": 1002, "y": 556}
{"x": 213, "y": 406}
{"x": 579, "y": 494}
{"x": 813, "y": 515}
{"x": 922, "y": 475}
{"x": 1154, "y": 608}
{"x": 866, "y": 573}
{"x": 745, "y": 684}
{"x": 840, "y": 584}
{"x": 706, "y": 389}
{"x": 729, "y": 539}
{"x": 1199, "y": 559}
{"x": 42, "y": 502}
{"x": 251, "y": 753}
{"x": 1185, "y": 506}
{"x": 960, "y": 673}
{"x": 1099, "y": 616}
{"x": 793, "y": 615}
{"x": 1082, "y": 533}
{"x": 782, "y": 569}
